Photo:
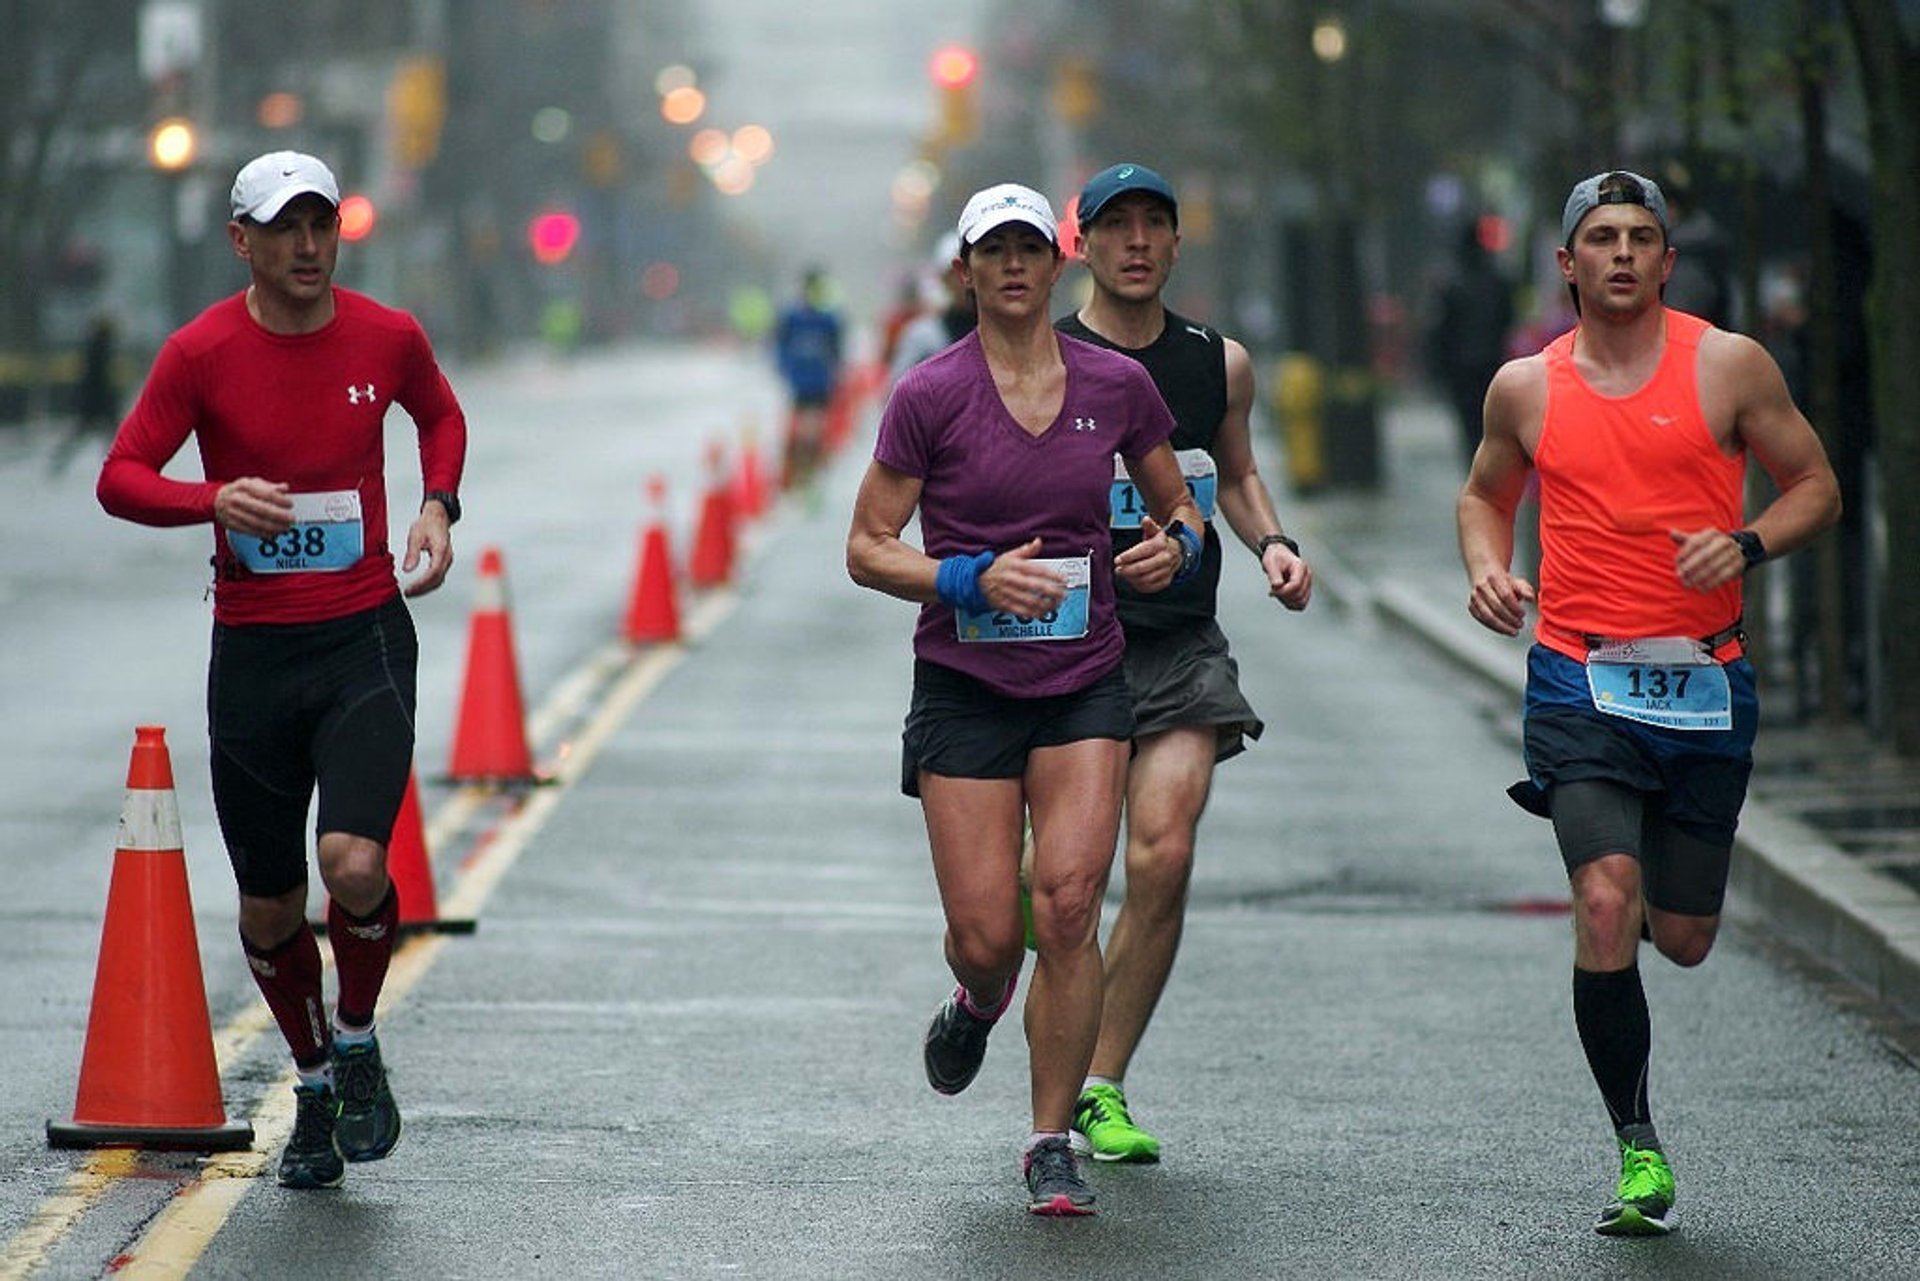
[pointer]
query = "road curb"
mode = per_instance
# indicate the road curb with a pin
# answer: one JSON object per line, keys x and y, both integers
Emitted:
{"x": 1813, "y": 893}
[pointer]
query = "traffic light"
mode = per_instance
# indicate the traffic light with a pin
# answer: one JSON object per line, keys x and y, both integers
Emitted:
{"x": 357, "y": 217}
{"x": 955, "y": 69}
{"x": 552, "y": 236}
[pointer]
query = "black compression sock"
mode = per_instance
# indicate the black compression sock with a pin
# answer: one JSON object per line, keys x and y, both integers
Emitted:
{"x": 1610, "y": 1011}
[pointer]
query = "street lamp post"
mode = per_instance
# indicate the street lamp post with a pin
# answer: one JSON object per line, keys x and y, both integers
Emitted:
{"x": 171, "y": 149}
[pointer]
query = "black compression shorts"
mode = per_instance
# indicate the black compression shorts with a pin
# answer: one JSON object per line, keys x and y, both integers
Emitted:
{"x": 292, "y": 705}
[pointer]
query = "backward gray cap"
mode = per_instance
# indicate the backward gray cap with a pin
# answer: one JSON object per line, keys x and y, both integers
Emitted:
{"x": 1614, "y": 187}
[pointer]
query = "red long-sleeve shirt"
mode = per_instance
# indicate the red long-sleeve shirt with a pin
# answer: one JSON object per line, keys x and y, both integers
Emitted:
{"x": 306, "y": 410}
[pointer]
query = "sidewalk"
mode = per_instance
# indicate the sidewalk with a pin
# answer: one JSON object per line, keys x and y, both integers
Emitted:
{"x": 1828, "y": 853}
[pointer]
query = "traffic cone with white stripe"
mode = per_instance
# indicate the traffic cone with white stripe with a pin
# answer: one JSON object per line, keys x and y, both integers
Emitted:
{"x": 654, "y": 612}
{"x": 490, "y": 739}
{"x": 148, "y": 1077}
{"x": 714, "y": 537}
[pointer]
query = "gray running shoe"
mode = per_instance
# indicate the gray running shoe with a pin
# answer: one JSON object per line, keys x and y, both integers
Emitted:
{"x": 312, "y": 1157}
{"x": 369, "y": 1119}
{"x": 1054, "y": 1185}
{"x": 955, "y": 1046}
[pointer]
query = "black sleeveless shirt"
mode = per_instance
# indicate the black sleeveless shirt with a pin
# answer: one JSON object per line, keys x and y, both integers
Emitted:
{"x": 1188, "y": 362}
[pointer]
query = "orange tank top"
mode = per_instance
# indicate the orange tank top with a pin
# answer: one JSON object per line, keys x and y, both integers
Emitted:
{"x": 1616, "y": 473}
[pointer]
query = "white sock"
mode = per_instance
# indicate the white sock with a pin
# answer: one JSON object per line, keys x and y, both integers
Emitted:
{"x": 344, "y": 1035}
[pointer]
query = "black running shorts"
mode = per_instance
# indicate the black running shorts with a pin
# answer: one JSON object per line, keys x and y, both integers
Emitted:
{"x": 958, "y": 727}
{"x": 292, "y": 705}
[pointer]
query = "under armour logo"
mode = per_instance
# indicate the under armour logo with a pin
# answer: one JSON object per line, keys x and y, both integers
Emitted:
{"x": 358, "y": 393}
{"x": 1083, "y": 424}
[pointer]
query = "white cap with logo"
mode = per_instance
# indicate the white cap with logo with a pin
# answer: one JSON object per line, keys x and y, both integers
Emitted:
{"x": 1005, "y": 203}
{"x": 263, "y": 188}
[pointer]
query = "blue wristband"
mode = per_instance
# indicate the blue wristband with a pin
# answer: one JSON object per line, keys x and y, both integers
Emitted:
{"x": 958, "y": 581}
{"x": 1190, "y": 550}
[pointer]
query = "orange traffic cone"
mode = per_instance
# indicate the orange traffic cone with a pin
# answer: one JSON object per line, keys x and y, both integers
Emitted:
{"x": 490, "y": 738}
{"x": 749, "y": 481}
{"x": 654, "y": 612}
{"x": 713, "y": 540}
{"x": 148, "y": 1077}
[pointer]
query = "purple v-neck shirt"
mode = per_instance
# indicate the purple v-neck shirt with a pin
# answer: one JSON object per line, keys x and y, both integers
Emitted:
{"x": 988, "y": 484}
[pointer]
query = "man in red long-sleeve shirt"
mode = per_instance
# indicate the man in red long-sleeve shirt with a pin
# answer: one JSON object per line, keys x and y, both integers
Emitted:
{"x": 285, "y": 386}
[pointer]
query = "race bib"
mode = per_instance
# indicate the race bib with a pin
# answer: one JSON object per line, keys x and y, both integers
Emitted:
{"x": 325, "y": 538}
{"x": 1669, "y": 681}
{"x": 1196, "y": 468}
{"x": 1067, "y": 622}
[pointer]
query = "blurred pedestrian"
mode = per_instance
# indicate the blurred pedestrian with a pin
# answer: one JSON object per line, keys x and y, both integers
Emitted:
{"x": 806, "y": 344}
{"x": 948, "y": 321}
{"x": 96, "y": 396}
{"x": 286, "y": 387}
{"x": 1468, "y": 342}
{"x": 1188, "y": 710}
{"x": 1640, "y": 708}
{"x": 1702, "y": 280}
{"x": 1004, "y": 445}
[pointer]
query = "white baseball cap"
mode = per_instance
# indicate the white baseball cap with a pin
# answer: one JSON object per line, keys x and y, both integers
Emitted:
{"x": 1007, "y": 202}
{"x": 263, "y": 188}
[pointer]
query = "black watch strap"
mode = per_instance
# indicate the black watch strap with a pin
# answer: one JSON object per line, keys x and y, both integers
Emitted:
{"x": 448, "y": 500}
{"x": 1277, "y": 539}
{"x": 1750, "y": 546}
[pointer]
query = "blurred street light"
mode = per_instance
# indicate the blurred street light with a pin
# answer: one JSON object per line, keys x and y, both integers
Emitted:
{"x": 172, "y": 145}
{"x": 1330, "y": 40}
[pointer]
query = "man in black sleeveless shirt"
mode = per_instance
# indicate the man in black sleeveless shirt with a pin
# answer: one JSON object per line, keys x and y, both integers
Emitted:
{"x": 1188, "y": 708}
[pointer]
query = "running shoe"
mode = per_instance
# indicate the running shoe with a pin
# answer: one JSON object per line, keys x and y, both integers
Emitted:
{"x": 312, "y": 1157}
{"x": 1054, "y": 1185}
{"x": 1643, "y": 1204}
{"x": 1103, "y": 1128}
{"x": 369, "y": 1118}
{"x": 955, "y": 1046}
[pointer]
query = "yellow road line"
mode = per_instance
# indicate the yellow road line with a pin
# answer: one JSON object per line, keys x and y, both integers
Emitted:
{"x": 182, "y": 1231}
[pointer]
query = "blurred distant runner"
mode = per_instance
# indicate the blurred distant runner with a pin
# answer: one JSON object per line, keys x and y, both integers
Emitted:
{"x": 1004, "y": 444}
{"x": 806, "y": 345}
{"x": 286, "y": 387}
{"x": 1640, "y": 706}
{"x": 1187, "y": 706}
{"x": 945, "y": 324}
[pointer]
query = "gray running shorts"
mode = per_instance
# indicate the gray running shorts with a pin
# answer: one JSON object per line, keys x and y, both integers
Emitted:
{"x": 1186, "y": 676}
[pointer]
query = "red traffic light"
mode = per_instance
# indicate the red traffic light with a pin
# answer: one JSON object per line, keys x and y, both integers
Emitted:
{"x": 954, "y": 66}
{"x": 357, "y": 216}
{"x": 552, "y": 236}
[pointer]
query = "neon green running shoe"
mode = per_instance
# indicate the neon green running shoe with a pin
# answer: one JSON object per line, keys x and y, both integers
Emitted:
{"x": 1103, "y": 1128}
{"x": 1643, "y": 1203}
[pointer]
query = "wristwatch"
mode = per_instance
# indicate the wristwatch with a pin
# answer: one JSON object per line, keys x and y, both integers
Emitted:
{"x": 1273, "y": 539}
{"x": 1750, "y": 546}
{"x": 447, "y": 500}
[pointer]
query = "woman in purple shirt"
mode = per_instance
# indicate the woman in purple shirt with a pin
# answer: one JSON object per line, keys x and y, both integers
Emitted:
{"x": 1005, "y": 443}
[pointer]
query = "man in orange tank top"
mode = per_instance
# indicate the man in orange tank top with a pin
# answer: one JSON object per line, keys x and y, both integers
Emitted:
{"x": 1640, "y": 707}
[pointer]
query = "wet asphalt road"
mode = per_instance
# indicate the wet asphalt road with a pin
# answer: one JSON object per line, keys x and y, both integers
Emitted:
{"x": 683, "y": 1041}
